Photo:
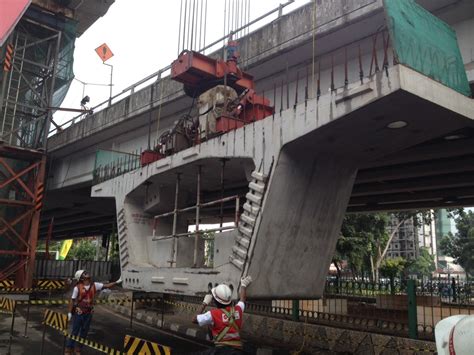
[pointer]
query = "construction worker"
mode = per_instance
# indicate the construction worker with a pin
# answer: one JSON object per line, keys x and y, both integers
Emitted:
{"x": 455, "y": 335}
{"x": 81, "y": 306}
{"x": 226, "y": 320}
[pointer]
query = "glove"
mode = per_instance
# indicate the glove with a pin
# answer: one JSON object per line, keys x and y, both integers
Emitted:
{"x": 69, "y": 316}
{"x": 119, "y": 281}
{"x": 245, "y": 281}
{"x": 207, "y": 300}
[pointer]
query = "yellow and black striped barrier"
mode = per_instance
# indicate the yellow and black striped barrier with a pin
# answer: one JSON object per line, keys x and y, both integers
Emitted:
{"x": 39, "y": 197}
{"x": 55, "y": 319}
{"x": 50, "y": 284}
{"x": 99, "y": 301}
{"x": 183, "y": 305}
{"x": 6, "y": 283}
{"x": 41, "y": 285}
{"x": 136, "y": 346}
{"x": 7, "y": 64}
{"x": 89, "y": 343}
{"x": 132, "y": 345}
{"x": 66, "y": 301}
{"x": 7, "y": 304}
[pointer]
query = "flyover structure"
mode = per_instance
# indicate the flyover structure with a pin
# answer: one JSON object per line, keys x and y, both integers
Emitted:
{"x": 361, "y": 123}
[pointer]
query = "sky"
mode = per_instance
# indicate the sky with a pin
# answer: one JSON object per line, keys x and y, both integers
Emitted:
{"x": 143, "y": 36}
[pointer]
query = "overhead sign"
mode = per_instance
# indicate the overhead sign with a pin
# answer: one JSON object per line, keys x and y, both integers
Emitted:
{"x": 104, "y": 52}
{"x": 11, "y": 12}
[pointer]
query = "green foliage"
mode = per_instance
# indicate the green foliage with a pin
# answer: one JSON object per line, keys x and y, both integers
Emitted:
{"x": 461, "y": 245}
{"x": 424, "y": 265}
{"x": 392, "y": 267}
{"x": 114, "y": 248}
{"x": 361, "y": 235}
{"x": 83, "y": 249}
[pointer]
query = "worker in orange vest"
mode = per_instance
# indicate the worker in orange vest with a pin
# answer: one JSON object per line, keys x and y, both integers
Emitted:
{"x": 82, "y": 305}
{"x": 225, "y": 321}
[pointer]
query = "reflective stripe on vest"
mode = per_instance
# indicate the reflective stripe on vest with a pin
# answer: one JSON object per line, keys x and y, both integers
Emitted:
{"x": 229, "y": 335}
{"x": 86, "y": 296}
{"x": 451, "y": 341}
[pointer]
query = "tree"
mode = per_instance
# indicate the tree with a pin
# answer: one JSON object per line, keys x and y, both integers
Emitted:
{"x": 82, "y": 250}
{"x": 114, "y": 254}
{"x": 365, "y": 239}
{"x": 460, "y": 246}
{"x": 361, "y": 234}
{"x": 424, "y": 265}
{"x": 392, "y": 268}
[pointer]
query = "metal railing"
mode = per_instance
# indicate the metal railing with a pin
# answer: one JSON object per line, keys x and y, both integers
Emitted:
{"x": 117, "y": 164}
{"x": 369, "y": 306}
{"x": 160, "y": 74}
{"x": 328, "y": 72}
{"x": 64, "y": 269}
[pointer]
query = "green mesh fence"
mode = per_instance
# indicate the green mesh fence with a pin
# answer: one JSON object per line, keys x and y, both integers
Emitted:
{"x": 424, "y": 43}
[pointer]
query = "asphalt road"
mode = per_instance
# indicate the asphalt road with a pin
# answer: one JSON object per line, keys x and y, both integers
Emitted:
{"x": 107, "y": 328}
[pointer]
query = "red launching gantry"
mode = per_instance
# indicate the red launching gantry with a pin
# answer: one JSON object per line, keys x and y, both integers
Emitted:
{"x": 200, "y": 73}
{"x": 210, "y": 80}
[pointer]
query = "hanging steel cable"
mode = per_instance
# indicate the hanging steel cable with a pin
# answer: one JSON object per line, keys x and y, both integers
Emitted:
{"x": 180, "y": 24}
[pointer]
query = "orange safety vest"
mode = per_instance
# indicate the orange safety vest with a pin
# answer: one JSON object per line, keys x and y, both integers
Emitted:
{"x": 86, "y": 298}
{"x": 227, "y": 323}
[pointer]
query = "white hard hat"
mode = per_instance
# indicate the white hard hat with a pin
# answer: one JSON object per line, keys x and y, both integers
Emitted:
{"x": 455, "y": 335}
{"x": 222, "y": 294}
{"x": 78, "y": 274}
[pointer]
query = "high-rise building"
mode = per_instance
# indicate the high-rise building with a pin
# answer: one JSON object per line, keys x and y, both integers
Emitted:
{"x": 406, "y": 242}
{"x": 403, "y": 243}
{"x": 443, "y": 226}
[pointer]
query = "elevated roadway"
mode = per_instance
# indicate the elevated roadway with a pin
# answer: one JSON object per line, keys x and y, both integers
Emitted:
{"x": 396, "y": 181}
{"x": 363, "y": 133}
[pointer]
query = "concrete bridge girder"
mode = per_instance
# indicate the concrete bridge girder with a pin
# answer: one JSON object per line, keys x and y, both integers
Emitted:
{"x": 316, "y": 150}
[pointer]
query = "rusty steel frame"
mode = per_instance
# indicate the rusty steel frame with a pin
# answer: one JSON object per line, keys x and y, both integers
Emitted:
{"x": 22, "y": 229}
{"x": 22, "y": 169}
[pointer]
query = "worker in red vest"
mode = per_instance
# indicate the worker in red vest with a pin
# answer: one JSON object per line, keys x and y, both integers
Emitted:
{"x": 82, "y": 305}
{"x": 225, "y": 321}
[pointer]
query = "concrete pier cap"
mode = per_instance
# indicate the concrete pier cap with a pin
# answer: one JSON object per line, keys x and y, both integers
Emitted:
{"x": 310, "y": 155}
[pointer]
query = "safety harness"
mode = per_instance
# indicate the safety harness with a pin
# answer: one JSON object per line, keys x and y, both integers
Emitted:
{"x": 86, "y": 306}
{"x": 232, "y": 325}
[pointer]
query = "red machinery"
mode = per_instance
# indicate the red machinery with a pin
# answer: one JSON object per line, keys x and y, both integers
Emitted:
{"x": 200, "y": 73}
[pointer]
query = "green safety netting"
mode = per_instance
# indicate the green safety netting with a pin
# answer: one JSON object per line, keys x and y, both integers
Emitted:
{"x": 110, "y": 163}
{"x": 109, "y": 157}
{"x": 423, "y": 42}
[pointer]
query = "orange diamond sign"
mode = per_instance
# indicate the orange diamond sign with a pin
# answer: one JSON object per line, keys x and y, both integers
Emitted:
{"x": 104, "y": 52}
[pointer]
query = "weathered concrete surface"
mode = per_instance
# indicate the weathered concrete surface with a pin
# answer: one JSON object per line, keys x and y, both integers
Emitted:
{"x": 301, "y": 220}
{"x": 296, "y": 231}
{"x": 286, "y": 33}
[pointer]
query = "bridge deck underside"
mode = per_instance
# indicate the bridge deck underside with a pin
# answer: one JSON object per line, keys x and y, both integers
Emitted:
{"x": 434, "y": 168}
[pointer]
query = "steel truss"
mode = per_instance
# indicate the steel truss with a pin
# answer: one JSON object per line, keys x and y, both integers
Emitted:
{"x": 28, "y": 84}
{"x": 22, "y": 174}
